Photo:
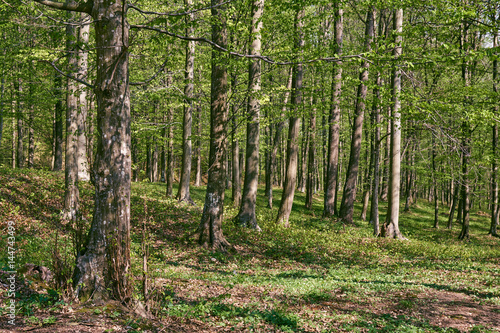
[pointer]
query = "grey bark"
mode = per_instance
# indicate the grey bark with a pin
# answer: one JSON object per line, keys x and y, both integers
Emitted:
{"x": 246, "y": 216}
{"x": 210, "y": 228}
{"x": 20, "y": 124}
{"x": 183, "y": 194}
{"x": 349, "y": 193}
{"x": 82, "y": 133}
{"x": 293, "y": 131}
{"x": 495, "y": 209}
{"x": 390, "y": 229}
{"x": 311, "y": 165}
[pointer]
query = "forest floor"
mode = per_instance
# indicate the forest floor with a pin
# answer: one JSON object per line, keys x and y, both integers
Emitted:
{"x": 316, "y": 276}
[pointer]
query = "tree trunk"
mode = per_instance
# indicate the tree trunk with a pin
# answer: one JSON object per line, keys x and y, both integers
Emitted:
{"x": 2, "y": 91}
{"x": 349, "y": 194}
{"x": 293, "y": 131}
{"x": 235, "y": 147}
{"x": 331, "y": 178}
{"x": 183, "y": 192}
{"x": 71, "y": 194}
{"x": 374, "y": 216}
{"x": 390, "y": 228}
{"x": 310, "y": 186}
{"x": 102, "y": 268}
{"x": 434, "y": 179}
{"x": 277, "y": 138}
{"x": 197, "y": 178}
{"x": 82, "y": 133}
{"x": 210, "y": 229}
{"x": 20, "y": 136}
{"x": 170, "y": 145}
{"x": 454, "y": 201}
{"x": 31, "y": 130}
{"x": 246, "y": 216}
{"x": 495, "y": 209}
{"x": 58, "y": 124}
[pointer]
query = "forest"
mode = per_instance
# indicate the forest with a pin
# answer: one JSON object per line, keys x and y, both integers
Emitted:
{"x": 249, "y": 165}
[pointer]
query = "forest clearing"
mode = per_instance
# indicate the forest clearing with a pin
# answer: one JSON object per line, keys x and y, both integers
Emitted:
{"x": 315, "y": 277}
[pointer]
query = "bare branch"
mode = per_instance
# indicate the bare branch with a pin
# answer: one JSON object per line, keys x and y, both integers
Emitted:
{"x": 177, "y": 13}
{"x": 152, "y": 77}
{"x": 85, "y": 7}
{"x": 250, "y": 56}
{"x": 67, "y": 75}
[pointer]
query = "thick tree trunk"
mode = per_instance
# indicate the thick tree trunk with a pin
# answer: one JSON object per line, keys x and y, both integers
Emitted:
{"x": 390, "y": 228}
{"x": 246, "y": 216}
{"x": 210, "y": 229}
{"x": 331, "y": 177}
{"x": 293, "y": 131}
{"x": 183, "y": 192}
{"x": 349, "y": 194}
{"x": 82, "y": 132}
{"x": 102, "y": 268}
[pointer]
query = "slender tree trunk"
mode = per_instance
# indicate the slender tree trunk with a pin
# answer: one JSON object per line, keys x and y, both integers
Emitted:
{"x": 2, "y": 91}
{"x": 183, "y": 192}
{"x": 14, "y": 123}
{"x": 20, "y": 123}
{"x": 301, "y": 187}
{"x": 434, "y": 178}
{"x": 163, "y": 154}
{"x": 293, "y": 131}
{"x": 58, "y": 124}
{"x": 154, "y": 161}
{"x": 374, "y": 216}
{"x": 390, "y": 228}
{"x": 72, "y": 194}
{"x": 312, "y": 157}
{"x": 210, "y": 229}
{"x": 170, "y": 150}
{"x": 197, "y": 178}
{"x": 277, "y": 138}
{"x": 349, "y": 194}
{"x": 235, "y": 147}
{"x": 466, "y": 138}
{"x": 31, "y": 130}
{"x": 495, "y": 209}
{"x": 331, "y": 179}
{"x": 82, "y": 133}
{"x": 454, "y": 201}
{"x": 246, "y": 216}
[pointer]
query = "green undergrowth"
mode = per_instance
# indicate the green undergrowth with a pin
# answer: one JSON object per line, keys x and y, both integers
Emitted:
{"x": 316, "y": 276}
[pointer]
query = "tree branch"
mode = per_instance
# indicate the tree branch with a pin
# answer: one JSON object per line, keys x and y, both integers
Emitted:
{"x": 152, "y": 77}
{"x": 67, "y": 75}
{"x": 240, "y": 55}
{"x": 85, "y": 7}
{"x": 176, "y": 13}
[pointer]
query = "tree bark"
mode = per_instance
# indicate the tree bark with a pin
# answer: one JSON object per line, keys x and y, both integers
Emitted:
{"x": 293, "y": 131}
{"x": 434, "y": 178}
{"x": 277, "y": 139}
{"x": 19, "y": 118}
{"x": 102, "y": 268}
{"x": 170, "y": 145}
{"x": 210, "y": 229}
{"x": 183, "y": 194}
{"x": 331, "y": 179}
{"x": 2, "y": 91}
{"x": 374, "y": 216}
{"x": 495, "y": 209}
{"x": 71, "y": 194}
{"x": 197, "y": 149}
{"x": 349, "y": 194}
{"x": 453, "y": 205}
{"x": 31, "y": 130}
{"x": 311, "y": 171}
{"x": 82, "y": 132}
{"x": 246, "y": 216}
{"x": 390, "y": 228}
{"x": 235, "y": 148}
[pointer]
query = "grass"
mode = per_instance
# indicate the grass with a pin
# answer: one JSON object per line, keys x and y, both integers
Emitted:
{"x": 316, "y": 276}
